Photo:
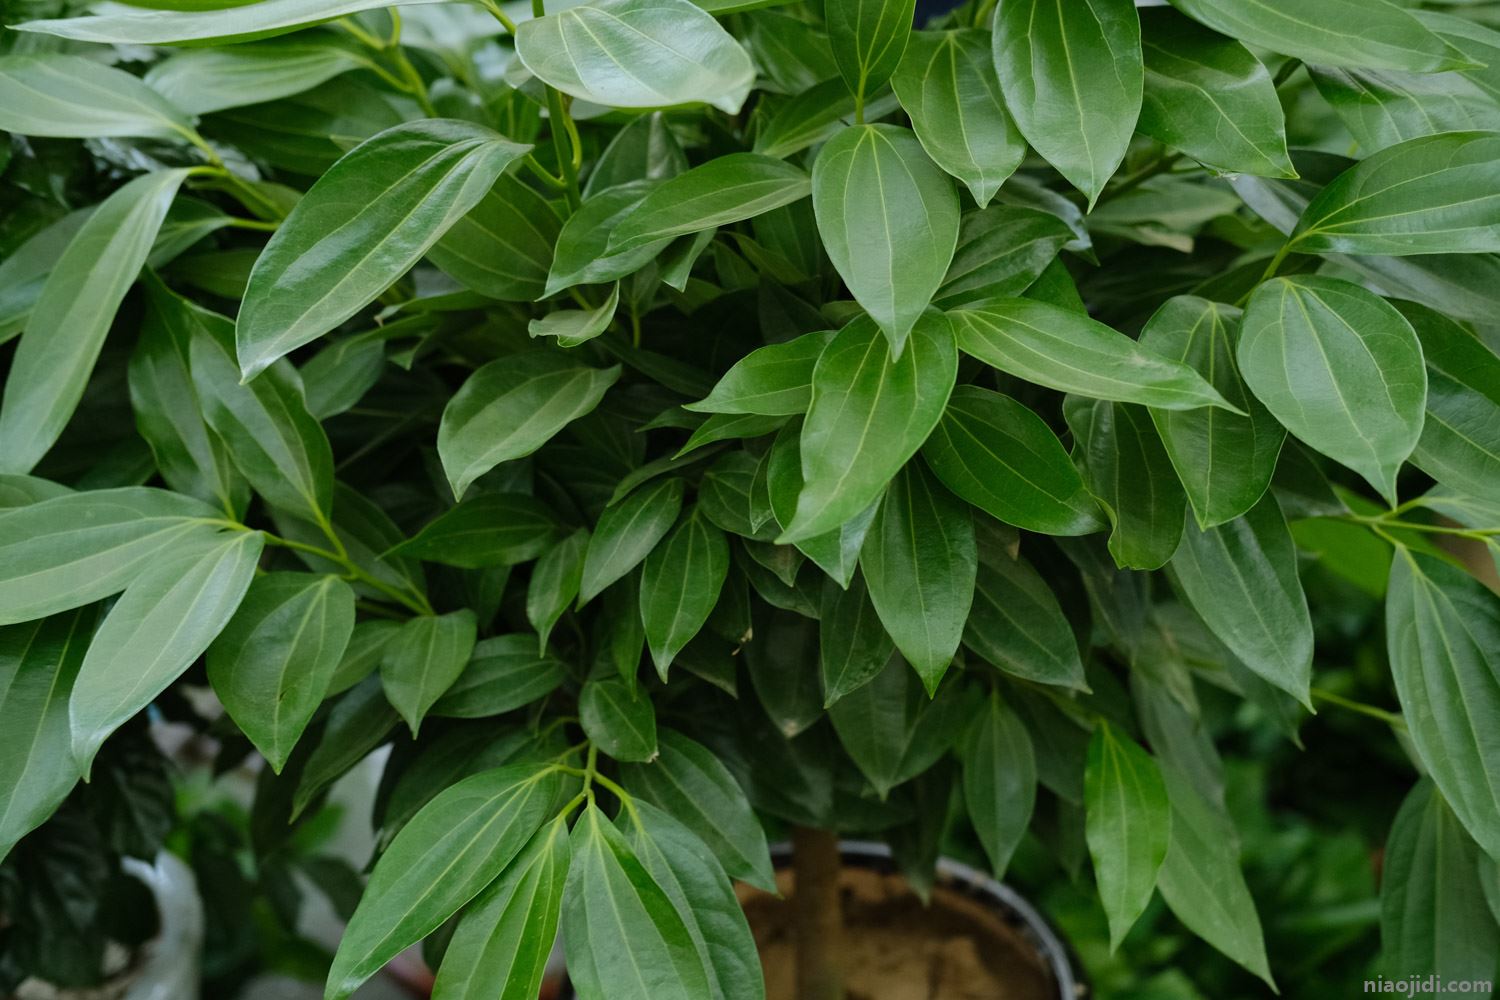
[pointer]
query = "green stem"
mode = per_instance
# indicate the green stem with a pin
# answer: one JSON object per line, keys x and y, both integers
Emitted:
{"x": 1395, "y": 524}
{"x": 261, "y": 225}
{"x": 412, "y": 601}
{"x": 982, "y": 12}
{"x": 1285, "y": 72}
{"x": 564, "y": 131}
{"x": 1389, "y": 718}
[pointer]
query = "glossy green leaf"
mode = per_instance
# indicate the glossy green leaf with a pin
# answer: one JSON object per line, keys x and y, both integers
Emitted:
{"x": 1241, "y": 578}
{"x": 775, "y": 380}
{"x": 1004, "y": 459}
{"x": 239, "y": 23}
{"x": 1072, "y": 76}
{"x": 627, "y": 532}
{"x": 645, "y": 149}
{"x": 618, "y": 720}
{"x": 1129, "y": 826}
{"x": 1209, "y": 97}
{"x": 77, "y": 304}
{"x": 582, "y": 256}
{"x": 1223, "y": 460}
{"x": 1063, "y": 350}
{"x": 815, "y": 115}
{"x": 919, "y": 562}
{"x": 853, "y": 645}
{"x": 504, "y": 673}
{"x": 446, "y": 855}
{"x": 637, "y": 54}
{"x": 680, "y": 584}
{"x": 868, "y": 38}
{"x": 1002, "y": 250}
{"x": 273, "y": 663}
{"x": 722, "y": 191}
{"x": 390, "y": 198}
{"x": 503, "y": 247}
{"x": 1340, "y": 368}
{"x": 836, "y": 551}
{"x": 1383, "y": 107}
{"x": 212, "y": 79}
{"x": 869, "y": 414}
{"x": 1018, "y": 626}
{"x": 72, "y": 97}
{"x": 511, "y": 407}
{"x": 422, "y": 661}
{"x": 491, "y": 529}
{"x": 999, "y": 781}
{"x": 889, "y": 221}
{"x": 554, "y": 583}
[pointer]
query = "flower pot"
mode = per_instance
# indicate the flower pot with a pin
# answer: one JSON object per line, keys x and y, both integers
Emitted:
{"x": 979, "y": 940}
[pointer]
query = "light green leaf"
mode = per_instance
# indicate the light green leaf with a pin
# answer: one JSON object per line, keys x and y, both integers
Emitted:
{"x": 1018, "y": 626}
{"x": 852, "y": 643}
{"x": 511, "y": 407}
{"x": 774, "y": 380}
{"x": 637, "y": 54}
{"x": 722, "y": 191}
{"x": 421, "y": 662}
{"x": 680, "y": 585}
{"x": 868, "y": 38}
{"x": 1129, "y": 823}
{"x": 619, "y": 720}
{"x": 204, "y": 80}
{"x": 240, "y": 23}
{"x": 71, "y": 97}
{"x": 272, "y": 664}
{"x": 1002, "y": 250}
{"x": 572, "y": 327}
{"x": 627, "y": 532}
{"x": 999, "y": 782}
{"x": 503, "y": 247}
{"x": 492, "y": 529}
{"x": 1340, "y": 368}
{"x": 581, "y": 257}
{"x": 889, "y": 221}
{"x": 554, "y": 584}
{"x": 504, "y": 673}
{"x": 361, "y": 226}
{"x": 66, "y": 329}
{"x": 1072, "y": 76}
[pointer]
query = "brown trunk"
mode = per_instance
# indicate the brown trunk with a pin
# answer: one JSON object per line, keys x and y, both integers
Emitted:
{"x": 818, "y": 916}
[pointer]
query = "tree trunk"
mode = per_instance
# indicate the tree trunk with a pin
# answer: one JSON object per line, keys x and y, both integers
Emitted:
{"x": 818, "y": 917}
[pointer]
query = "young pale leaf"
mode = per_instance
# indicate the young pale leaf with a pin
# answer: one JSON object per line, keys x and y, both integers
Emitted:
{"x": 1018, "y": 626}
{"x": 853, "y": 645}
{"x": 77, "y": 304}
{"x": 868, "y": 39}
{"x": 423, "y": 660}
{"x": 1436, "y": 194}
{"x": 689, "y": 782}
{"x": 492, "y": 529}
{"x": 1443, "y": 637}
{"x": 444, "y": 857}
{"x": 1004, "y": 459}
{"x": 619, "y": 720}
{"x": 38, "y": 663}
{"x": 637, "y": 54}
{"x": 1340, "y": 368}
{"x": 947, "y": 84}
{"x": 71, "y": 97}
{"x": 511, "y": 407}
{"x": 165, "y": 620}
{"x": 627, "y": 532}
{"x": 204, "y": 80}
{"x": 571, "y": 327}
{"x": 1072, "y": 76}
{"x": 1223, "y": 460}
{"x": 1067, "y": 351}
{"x": 680, "y": 585}
{"x": 919, "y": 561}
{"x": 500, "y": 947}
{"x": 869, "y": 414}
{"x": 503, "y": 247}
{"x": 1129, "y": 826}
{"x": 1002, "y": 250}
{"x": 722, "y": 191}
{"x": 889, "y": 221}
{"x": 1241, "y": 578}
{"x": 554, "y": 584}
{"x": 504, "y": 673}
{"x": 205, "y": 23}
{"x": 361, "y": 226}
{"x": 1209, "y": 96}
{"x": 999, "y": 782}
{"x": 272, "y": 664}
{"x": 775, "y": 380}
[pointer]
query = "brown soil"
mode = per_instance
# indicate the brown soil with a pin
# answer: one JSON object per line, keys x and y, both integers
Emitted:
{"x": 898, "y": 949}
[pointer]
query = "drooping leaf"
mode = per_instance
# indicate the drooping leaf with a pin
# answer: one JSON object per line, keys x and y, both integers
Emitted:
{"x": 999, "y": 782}
{"x": 680, "y": 585}
{"x": 836, "y": 551}
{"x": 853, "y": 645}
{"x": 619, "y": 720}
{"x": 554, "y": 583}
{"x": 422, "y": 661}
{"x": 1383, "y": 107}
{"x": 212, "y": 79}
{"x": 1129, "y": 826}
{"x": 71, "y": 97}
{"x": 1018, "y": 626}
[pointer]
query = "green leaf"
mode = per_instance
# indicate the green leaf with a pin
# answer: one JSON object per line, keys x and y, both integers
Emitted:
{"x": 361, "y": 226}
{"x": 627, "y": 532}
{"x": 724, "y": 190}
{"x": 273, "y": 663}
{"x": 869, "y": 414}
{"x": 500, "y": 947}
{"x": 1004, "y": 459}
{"x": 610, "y": 896}
{"x": 852, "y": 643}
{"x": 836, "y": 551}
{"x": 1223, "y": 460}
{"x": 72, "y": 97}
{"x": 511, "y": 407}
{"x": 1427, "y": 195}
{"x": 572, "y": 327}
{"x": 637, "y": 54}
{"x": 358, "y": 723}
{"x": 504, "y": 673}
{"x": 999, "y": 782}
{"x": 620, "y": 721}
{"x": 554, "y": 584}
{"x": 919, "y": 562}
{"x": 1129, "y": 826}
{"x": 1443, "y": 637}
{"x": 946, "y": 82}
{"x": 204, "y": 80}
{"x": 1067, "y": 351}
{"x": 868, "y": 38}
{"x": 889, "y": 221}
{"x": 1241, "y": 578}
{"x": 239, "y": 23}
{"x": 77, "y": 304}
{"x": 1002, "y": 250}
{"x": 1209, "y": 97}
{"x": 689, "y": 782}
{"x": 645, "y": 149}
{"x": 1383, "y": 107}
{"x": 1388, "y": 36}
{"x": 1340, "y": 368}
{"x": 503, "y": 247}
{"x": 1018, "y": 626}
{"x": 680, "y": 585}
{"x": 774, "y": 380}
{"x": 166, "y": 618}
{"x": 815, "y": 115}
{"x": 492, "y": 529}
{"x": 1433, "y": 915}
{"x": 446, "y": 855}
{"x": 1127, "y": 469}
{"x": 422, "y": 661}
{"x": 581, "y": 257}
{"x": 1072, "y": 76}
{"x": 38, "y": 664}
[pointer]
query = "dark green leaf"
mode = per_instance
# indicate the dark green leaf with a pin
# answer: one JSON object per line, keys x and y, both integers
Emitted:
{"x": 852, "y": 644}
{"x": 422, "y": 661}
{"x": 999, "y": 782}
{"x": 619, "y": 720}
{"x": 504, "y": 673}
{"x": 868, "y": 38}
{"x": 503, "y": 247}
{"x": 492, "y": 529}
{"x": 627, "y": 532}
{"x": 1018, "y": 626}
{"x": 680, "y": 585}
{"x": 554, "y": 583}
{"x": 723, "y": 191}
{"x": 1129, "y": 826}
{"x": 1001, "y": 251}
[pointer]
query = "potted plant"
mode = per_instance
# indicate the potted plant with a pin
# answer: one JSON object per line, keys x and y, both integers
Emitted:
{"x": 673, "y": 429}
